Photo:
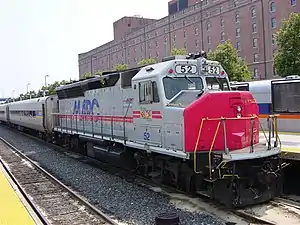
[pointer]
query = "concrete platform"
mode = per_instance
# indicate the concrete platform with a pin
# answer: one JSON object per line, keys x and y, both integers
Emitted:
{"x": 14, "y": 209}
{"x": 290, "y": 143}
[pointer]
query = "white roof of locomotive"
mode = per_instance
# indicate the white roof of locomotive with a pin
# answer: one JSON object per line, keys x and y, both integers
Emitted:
{"x": 163, "y": 68}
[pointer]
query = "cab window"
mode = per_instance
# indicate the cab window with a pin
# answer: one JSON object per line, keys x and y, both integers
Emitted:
{"x": 148, "y": 92}
{"x": 215, "y": 83}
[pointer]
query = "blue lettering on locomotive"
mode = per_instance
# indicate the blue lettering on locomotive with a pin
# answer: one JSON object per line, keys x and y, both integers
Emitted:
{"x": 87, "y": 106}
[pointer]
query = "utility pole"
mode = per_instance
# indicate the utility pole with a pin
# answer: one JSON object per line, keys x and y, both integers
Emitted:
{"x": 28, "y": 89}
{"x": 45, "y": 84}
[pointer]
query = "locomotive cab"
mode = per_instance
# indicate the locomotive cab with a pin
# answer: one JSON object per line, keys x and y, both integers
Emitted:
{"x": 186, "y": 108}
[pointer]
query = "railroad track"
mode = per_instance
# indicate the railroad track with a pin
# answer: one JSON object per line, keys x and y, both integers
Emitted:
{"x": 287, "y": 202}
{"x": 52, "y": 201}
{"x": 252, "y": 214}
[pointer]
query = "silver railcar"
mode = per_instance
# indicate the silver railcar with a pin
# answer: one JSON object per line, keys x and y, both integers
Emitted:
{"x": 34, "y": 113}
{"x": 3, "y": 112}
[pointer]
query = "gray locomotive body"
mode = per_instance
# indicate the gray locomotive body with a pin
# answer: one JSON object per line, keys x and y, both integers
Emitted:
{"x": 149, "y": 119}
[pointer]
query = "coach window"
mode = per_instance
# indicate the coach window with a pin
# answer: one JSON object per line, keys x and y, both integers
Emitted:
{"x": 148, "y": 92}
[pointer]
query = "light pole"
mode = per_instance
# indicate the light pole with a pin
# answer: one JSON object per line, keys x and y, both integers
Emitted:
{"x": 45, "y": 84}
{"x": 27, "y": 90}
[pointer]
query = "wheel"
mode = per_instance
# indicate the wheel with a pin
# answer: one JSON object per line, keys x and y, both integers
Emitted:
{"x": 167, "y": 219}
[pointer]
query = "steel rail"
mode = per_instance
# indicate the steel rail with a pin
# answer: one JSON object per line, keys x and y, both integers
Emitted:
{"x": 101, "y": 214}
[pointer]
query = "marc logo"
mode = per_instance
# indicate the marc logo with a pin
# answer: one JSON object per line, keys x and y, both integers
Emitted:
{"x": 87, "y": 106}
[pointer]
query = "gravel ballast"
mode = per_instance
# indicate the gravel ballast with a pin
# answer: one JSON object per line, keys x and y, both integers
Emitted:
{"x": 130, "y": 203}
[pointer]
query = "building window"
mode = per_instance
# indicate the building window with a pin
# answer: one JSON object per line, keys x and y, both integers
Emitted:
{"x": 235, "y": 2}
{"x": 156, "y": 43}
{"x": 238, "y": 45}
{"x": 272, "y": 7}
{"x": 255, "y": 57}
{"x": 174, "y": 37}
{"x": 222, "y": 22}
{"x": 183, "y": 23}
{"x": 254, "y": 43}
{"x": 196, "y": 31}
{"x": 208, "y": 39}
{"x": 238, "y": 32}
{"x": 185, "y": 45}
{"x": 197, "y": 43}
{"x": 254, "y": 28}
{"x": 293, "y": 2}
{"x": 273, "y": 23}
{"x": 253, "y": 12}
{"x": 237, "y": 17}
{"x": 255, "y": 73}
{"x": 208, "y": 26}
{"x": 209, "y": 49}
{"x": 184, "y": 34}
{"x": 222, "y": 36}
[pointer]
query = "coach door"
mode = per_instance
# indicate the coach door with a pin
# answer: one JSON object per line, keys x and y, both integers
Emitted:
{"x": 7, "y": 114}
{"x": 44, "y": 116}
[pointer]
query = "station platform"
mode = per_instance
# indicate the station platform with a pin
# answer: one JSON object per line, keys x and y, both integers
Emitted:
{"x": 14, "y": 209}
{"x": 290, "y": 144}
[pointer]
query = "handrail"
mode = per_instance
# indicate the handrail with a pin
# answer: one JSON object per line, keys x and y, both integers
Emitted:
{"x": 195, "y": 149}
{"x": 211, "y": 147}
{"x": 274, "y": 121}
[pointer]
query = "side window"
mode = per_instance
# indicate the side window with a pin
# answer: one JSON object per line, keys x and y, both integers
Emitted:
{"x": 142, "y": 92}
{"x": 155, "y": 92}
{"x": 148, "y": 92}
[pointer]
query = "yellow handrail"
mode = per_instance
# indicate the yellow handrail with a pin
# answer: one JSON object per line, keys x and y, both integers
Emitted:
{"x": 216, "y": 132}
{"x": 211, "y": 147}
{"x": 276, "y": 128}
{"x": 195, "y": 149}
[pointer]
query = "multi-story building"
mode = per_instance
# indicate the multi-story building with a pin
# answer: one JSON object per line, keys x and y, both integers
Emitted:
{"x": 197, "y": 25}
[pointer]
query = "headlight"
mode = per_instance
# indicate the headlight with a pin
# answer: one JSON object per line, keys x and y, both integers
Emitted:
{"x": 238, "y": 115}
{"x": 239, "y": 108}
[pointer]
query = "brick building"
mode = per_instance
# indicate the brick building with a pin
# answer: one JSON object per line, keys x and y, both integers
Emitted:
{"x": 249, "y": 24}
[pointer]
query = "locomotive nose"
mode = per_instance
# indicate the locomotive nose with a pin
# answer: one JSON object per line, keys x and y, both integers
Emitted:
{"x": 221, "y": 115}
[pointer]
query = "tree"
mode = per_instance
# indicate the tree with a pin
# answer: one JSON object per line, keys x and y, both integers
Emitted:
{"x": 145, "y": 62}
{"x": 179, "y": 51}
{"x": 287, "y": 58}
{"x": 120, "y": 67}
{"x": 235, "y": 67}
{"x": 87, "y": 75}
{"x": 99, "y": 73}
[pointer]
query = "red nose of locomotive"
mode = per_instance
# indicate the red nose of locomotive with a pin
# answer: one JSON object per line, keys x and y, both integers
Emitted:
{"x": 236, "y": 107}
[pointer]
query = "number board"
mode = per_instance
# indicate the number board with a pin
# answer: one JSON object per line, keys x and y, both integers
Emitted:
{"x": 213, "y": 69}
{"x": 186, "y": 69}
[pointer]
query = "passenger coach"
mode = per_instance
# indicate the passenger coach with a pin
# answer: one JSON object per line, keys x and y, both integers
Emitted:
{"x": 277, "y": 96}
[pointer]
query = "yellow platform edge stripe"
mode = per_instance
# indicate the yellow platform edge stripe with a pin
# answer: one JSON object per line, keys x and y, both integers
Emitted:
{"x": 14, "y": 209}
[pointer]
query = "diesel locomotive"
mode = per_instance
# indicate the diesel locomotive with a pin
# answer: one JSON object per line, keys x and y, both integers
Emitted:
{"x": 176, "y": 121}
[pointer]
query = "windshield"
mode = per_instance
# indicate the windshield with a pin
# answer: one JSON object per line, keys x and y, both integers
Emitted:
{"x": 174, "y": 85}
{"x": 214, "y": 83}
{"x": 184, "y": 99}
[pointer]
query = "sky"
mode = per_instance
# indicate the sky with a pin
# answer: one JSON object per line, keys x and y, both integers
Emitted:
{"x": 40, "y": 37}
